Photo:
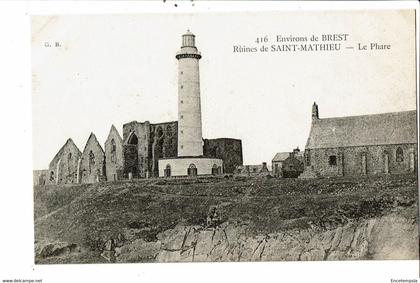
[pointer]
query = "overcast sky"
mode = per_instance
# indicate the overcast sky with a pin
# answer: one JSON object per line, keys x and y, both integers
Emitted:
{"x": 119, "y": 68}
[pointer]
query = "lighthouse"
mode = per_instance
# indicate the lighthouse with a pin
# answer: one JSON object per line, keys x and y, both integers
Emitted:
{"x": 189, "y": 103}
{"x": 190, "y": 161}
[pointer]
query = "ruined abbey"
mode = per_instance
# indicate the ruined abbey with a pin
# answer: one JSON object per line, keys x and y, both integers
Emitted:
{"x": 145, "y": 150}
{"x": 135, "y": 155}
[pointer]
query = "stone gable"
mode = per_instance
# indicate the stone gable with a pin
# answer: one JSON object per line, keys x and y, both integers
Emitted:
{"x": 92, "y": 168}
{"x": 114, "y": 155}
{"x": 63, "y": 169}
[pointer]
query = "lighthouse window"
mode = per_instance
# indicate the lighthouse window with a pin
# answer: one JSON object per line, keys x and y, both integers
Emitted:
{"x": 182, "y": 101}
{"x": 182, "y": 146}
{"x": 182, "y": 73}
{"x": 182, "y": 116}
{"x": 182, "y": 86}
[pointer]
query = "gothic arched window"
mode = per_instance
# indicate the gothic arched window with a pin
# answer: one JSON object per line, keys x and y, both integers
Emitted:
{"x": 91, "y": 161}
{"x": 113, "y": 151}
{"x": 133, "y": 140}
{"x": 399, "y": 155}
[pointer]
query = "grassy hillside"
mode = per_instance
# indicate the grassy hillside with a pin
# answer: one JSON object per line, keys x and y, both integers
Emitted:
{"x": 90, "y": 214}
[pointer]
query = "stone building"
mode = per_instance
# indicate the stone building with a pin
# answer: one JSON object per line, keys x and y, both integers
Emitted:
{"x": 114, "y": 162}
{"x": 293, "y": 165}
{"x": 143, "y": 145}
{"x": 227, "y": 149}
{"x": 361, "y": 145}
{"x": 92, "y": 165}
{"x": 277, "y": 163}
{"x": 63, "y": 168}
{"x": 40, "y": 177}
{"x": 287, "y": 164}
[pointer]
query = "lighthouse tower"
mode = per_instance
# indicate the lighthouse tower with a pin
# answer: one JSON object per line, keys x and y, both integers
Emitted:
{"x": 190, "y": 160}
{"x": 189, "y": 104}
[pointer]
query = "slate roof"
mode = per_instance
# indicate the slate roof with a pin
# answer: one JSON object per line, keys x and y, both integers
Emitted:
{"x": 376, "y": 129}
{"x": 280, "y": 156}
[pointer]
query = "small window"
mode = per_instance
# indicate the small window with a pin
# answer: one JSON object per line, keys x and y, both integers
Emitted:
{"x": 182, "y": 101}
{"x": 399, "y": 155}
{"x": 167, "y": 171}
{"x": 332, "y": 160}
{"x": 308, "y": 158}
{"x": 182, "y": 86}
{"x": 182, "y": 72}
{"x": 182, "y": 116}
{"x": 215, "y": 170}
{"x": 182, "y": 146}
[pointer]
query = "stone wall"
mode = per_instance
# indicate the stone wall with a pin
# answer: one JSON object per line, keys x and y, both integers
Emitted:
{"x": 92, "y": 166}
{"x": 276, "y": 167}
{"x": 136, "y": 153}
{"x": 163, "y": 144}
{"x": 40, "y": 177}
{"x": 229, "y": 150}
{"x": 362, "y": 160}
{"x": 154, "y": 141}
{"x": 114, "y": 155}
{"x": 63, "y": 169}
{"x": 292, "y": 167}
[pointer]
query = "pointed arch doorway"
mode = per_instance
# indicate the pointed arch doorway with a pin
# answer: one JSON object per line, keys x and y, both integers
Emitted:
{"x": 131, "y": 156}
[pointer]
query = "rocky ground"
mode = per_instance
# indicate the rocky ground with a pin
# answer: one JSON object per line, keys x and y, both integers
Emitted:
{"x": 257, "y": 219}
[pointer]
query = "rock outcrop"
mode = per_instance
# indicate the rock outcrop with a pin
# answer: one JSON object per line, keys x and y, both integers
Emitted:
{"x": 387, "y": 237}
